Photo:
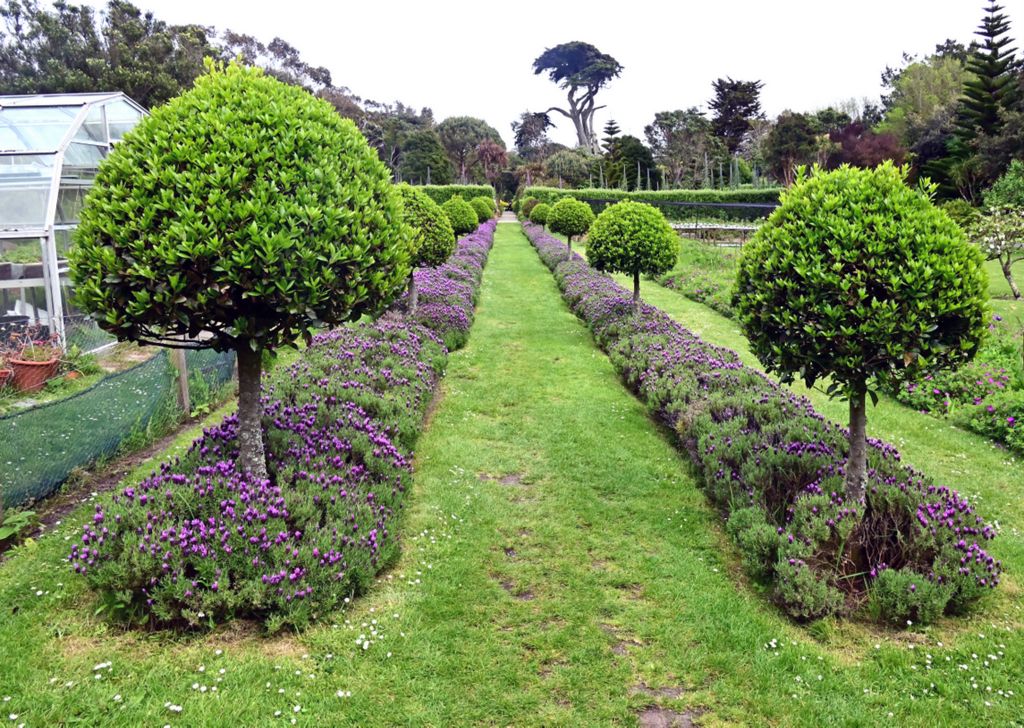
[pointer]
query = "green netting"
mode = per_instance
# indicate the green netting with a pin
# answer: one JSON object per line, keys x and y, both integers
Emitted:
{"x": 40, "y": 447}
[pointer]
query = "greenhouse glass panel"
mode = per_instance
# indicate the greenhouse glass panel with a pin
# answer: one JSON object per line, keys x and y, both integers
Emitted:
{"x": 34, "y": 129}
{"x": 121, "y": 118}
{"x": 93, "y": 130}
{"x": 24, "y": 190}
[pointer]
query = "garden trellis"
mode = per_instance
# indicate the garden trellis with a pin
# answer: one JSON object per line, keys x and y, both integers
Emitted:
{"x": 51, "y": 146}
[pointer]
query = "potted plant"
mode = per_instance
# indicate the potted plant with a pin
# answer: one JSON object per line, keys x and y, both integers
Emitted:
{"x": 36, "y": 362}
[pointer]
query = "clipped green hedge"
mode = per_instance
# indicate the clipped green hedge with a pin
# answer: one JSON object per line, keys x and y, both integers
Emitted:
{"x": 442, "y": 193}
{"x": 601, "y": 198}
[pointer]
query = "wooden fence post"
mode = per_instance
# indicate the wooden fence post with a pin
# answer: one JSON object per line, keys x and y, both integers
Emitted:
{"x": 178, "y": 360}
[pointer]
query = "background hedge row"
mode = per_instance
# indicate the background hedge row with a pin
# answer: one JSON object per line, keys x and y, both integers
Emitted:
{"x": 601, "y": 198}
{"x": 442, "y": 193}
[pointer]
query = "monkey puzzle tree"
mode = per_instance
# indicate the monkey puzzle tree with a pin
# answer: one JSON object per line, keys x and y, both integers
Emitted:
{"x": 861, "y": 279}
{"x": 632, "y": 238}
{"x": 433, "y": 238}
{"x": 236, "y": 217}
{"x": 583, "y": 70}
{"x": 569, "y": 217}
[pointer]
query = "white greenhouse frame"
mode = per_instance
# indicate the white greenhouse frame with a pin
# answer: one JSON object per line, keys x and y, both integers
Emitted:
{"x": 68, "y": 135}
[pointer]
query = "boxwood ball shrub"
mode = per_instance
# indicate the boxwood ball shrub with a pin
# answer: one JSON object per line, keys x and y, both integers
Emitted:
{"x": 433, "y": 239}
{"x": 539, "y": 214}
{"x": 570, "y": 217}
{"x": 527, "y": 205}
{"x": 492, "y": 207}
{"x": 462, "y": 216}
{"x": 237, "y": 216}
{"x": 859, "y": 278}
{"x": 484, "y": 212}
{"x": 632, "y": 238}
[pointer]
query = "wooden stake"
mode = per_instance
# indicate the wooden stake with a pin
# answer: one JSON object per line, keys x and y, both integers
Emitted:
{"x": 178, "y": 360}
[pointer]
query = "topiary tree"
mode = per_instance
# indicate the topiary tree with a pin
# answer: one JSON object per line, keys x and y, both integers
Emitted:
{"x": 1000, "y": 235}
{"x": 461, "y": 215}
{"x": 569, "y": 217}
{"x": 527, "y": 205}
{"x": 484, "y": 211}
{"x": 858, "y": 277}
{"x": 237, "y": 216}
{"x": 539, "y": 213}
{"x": 433, "y": 238}
{"x": 632, "y": 238}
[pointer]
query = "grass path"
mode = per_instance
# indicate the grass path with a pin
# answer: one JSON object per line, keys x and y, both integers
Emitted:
{"x": 559, "y": 568}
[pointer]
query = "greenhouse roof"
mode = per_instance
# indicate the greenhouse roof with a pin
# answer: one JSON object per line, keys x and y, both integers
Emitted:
{"x": 48, "y": 123}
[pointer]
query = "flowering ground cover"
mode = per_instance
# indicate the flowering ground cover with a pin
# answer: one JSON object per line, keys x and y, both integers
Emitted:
{"x": 560, "y": 567}
{"x": 201, "y": 541}
{"x": 774, "y": 465}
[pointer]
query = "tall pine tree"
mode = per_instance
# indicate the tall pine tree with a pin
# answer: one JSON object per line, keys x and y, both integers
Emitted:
{"x": 992, "y": 86}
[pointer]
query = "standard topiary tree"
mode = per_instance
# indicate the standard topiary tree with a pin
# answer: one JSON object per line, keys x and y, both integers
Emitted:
{"x": 539, "y": 213}
{"x": 858, "y": 277}
{"x": 632, "y": 238}
{"x": 433, "y": 239}
{"x": 237, "y": 216}
{"x": 461, "y": 215}
{"x": 569, "y": 217}
{"x": 482, "y": 209}
{"x": 527, "y": 205}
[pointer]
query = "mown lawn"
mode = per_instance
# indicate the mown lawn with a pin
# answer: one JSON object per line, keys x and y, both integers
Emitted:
{"x": 560, "y": 567}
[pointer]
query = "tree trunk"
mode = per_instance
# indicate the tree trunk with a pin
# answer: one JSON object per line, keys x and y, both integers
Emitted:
{"x": 413, "y": 293}
{"x": 856, "y": 466}
{"x": 1008, "y": 272}
{"x": 251, "y": 455}
{"x": 569, "y": 238}
{"x": 636, "y": 291}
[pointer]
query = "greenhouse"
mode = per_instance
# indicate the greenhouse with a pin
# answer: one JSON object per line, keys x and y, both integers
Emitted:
{"x": 50, "y": 149}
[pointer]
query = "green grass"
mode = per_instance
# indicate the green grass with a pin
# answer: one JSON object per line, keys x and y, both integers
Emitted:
{"x": 558, "y": 561}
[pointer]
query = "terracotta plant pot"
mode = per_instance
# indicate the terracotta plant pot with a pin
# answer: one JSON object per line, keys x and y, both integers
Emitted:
{"x": 30, "y": 376}
{"x": 6, "y": 375}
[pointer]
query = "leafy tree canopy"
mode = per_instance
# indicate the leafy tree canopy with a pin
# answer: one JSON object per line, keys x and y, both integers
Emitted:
{"x": 735, "y": 105}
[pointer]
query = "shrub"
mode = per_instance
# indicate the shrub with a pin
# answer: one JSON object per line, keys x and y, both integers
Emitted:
{"x": 999, "y": 416}
{"x": 1008, "y": 189}
{"x": 902, "y": 595}
{"x": 766, "y": 458}
{"x": 570, "y": 217}
{"x": 962, "y": 212}
{"x": 599, "y": 198}
{"x": 632, "y": 238}
{"x": 483, "y": 208}
{"x": 859, "y": 278}
{"x": 539, "y": 213}
{"x": 284, "y": 214}
{"x": 200, "y": 541}
{"x": 527, "y": 205}
{"x": 461, "y": 215}
{"x": 433, "y": 239}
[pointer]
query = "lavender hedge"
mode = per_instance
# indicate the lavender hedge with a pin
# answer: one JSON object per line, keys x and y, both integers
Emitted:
{"x": 774, "y": 467}
{"x": 197, "y": 541}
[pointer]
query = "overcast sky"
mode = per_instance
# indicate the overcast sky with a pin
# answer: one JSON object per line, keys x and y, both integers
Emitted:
{"x": 475, "y": 58}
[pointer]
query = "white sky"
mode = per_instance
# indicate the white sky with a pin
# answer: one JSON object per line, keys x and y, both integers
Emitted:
{"x": 475, "y": 58}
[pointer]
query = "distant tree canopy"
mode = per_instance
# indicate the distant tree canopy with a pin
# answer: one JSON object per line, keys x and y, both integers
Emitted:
{"x": 629, "y": 165}
{"x": 423, "y": 159}
{"x": 582, "y": 70}
{"x": 683, "y": 143}
{"x": 70, "y": 48}
{"x": 735, "y": 105}
{"x": 531, "y": 134}
{"x": 461, "y": 136}
{"x": 569, "y": 167}
{"x": 792, "y": 142}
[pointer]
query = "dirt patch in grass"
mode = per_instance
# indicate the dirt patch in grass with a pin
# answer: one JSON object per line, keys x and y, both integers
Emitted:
{"x": 655, "y": 717}
{"x": 664, "y": 692}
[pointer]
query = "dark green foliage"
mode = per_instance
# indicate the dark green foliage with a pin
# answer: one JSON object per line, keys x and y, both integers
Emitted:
{"x": 860, "y": 278}
{"x": 527, "y": 206}
{"x": 570, "y": 217}
{"x": 433, "y": 238}
{"x": 569, "y": 166}
{"x": 539, "y": 213}
{"x": 203, "y": 181}
{"x": 991, "y": 85}
{"x": 633, "y": 238}
{"x": 70, "y": 48}
{"x": 962, "y": 212}
{"x": 735, "y": 104}
{"x": 423, "y": 158}
{"x": 442, "y": 193}
{"x": 791, "y": 143}
{"x": 483, "y": 210}
{"x": 630, "y": 165}
{"x": 460, "y": 136}
{"x": 757, "y": 539}
{"x": 461, "y": 215}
